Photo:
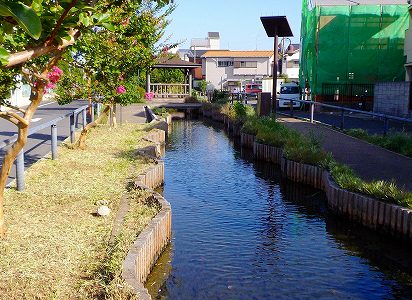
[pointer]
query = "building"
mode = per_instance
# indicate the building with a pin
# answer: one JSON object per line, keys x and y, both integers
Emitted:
{"x": 290, "y": 58}
{"x": 395, "y": 98}
{"x": 408, "y": 48}
{"x": 198, "y": 47}
{"x": 349, "y": 46}
{"x": 225, "y": 69}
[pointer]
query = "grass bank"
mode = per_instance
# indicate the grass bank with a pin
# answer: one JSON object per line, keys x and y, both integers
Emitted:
{"x": 308, "y": 150}
{"x": 56, "y": 247}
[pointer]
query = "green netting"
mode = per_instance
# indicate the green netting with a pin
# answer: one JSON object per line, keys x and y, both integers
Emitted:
{"x": 359, "y": 44}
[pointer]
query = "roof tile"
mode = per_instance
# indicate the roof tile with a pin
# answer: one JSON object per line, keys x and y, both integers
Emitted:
{"x": 229, "y": 53}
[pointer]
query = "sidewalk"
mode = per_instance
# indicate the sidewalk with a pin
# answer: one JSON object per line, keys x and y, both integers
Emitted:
{"x": 370, "y": 162}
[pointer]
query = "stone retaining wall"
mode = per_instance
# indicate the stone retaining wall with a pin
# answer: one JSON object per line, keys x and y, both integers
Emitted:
{"x": 156, "y": 236}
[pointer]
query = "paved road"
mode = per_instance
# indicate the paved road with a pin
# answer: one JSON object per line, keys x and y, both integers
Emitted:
{"x": 38, "y": 144}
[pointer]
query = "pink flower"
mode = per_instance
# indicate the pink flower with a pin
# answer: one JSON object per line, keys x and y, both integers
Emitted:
{"x": 149, "y": 96}
{"x": 121, "y": 89}
{"x": 50, "y": 86}
{"x": 57, "y": 70}
{"x": 55, "y": 74}
{"x": 121, "y": 78}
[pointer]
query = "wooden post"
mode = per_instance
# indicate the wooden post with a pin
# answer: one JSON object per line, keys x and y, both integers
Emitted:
{"x": 190, "y": 83}
{"x": 148, "y": 81}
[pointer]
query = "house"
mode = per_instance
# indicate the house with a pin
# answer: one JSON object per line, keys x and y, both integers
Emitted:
{"x": 226, "y": 69}
{"x": 290, "y": 63}
{"x": 198, "y": 47}
{"x": 349, "y": 46}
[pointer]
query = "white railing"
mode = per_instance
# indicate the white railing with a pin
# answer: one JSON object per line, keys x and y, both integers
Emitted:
{"x": 169, "y": 90}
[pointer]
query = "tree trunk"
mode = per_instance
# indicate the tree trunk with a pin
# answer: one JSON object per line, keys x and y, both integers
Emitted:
{"x": 81, "y": 143}
{"x": 11, "y": 154}
{"x": 114, "y": 122}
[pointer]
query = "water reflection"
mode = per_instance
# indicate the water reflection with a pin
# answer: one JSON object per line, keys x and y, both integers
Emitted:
{"x": 242, "y": 232}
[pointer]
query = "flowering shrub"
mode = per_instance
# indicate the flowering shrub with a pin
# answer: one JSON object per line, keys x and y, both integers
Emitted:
{"x": 149, "y": 96}
{"x": 121, "y": 89}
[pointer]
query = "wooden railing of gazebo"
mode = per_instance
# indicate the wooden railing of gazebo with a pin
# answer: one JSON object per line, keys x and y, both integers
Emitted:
{"x": 169, "y": 90}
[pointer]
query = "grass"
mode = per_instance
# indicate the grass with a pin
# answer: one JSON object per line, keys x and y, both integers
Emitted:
{"x": 308, "y": 150}
{"x": 56, "y": 248}
{"x": 346, "y": 178}
{"x": 399, "y": 142}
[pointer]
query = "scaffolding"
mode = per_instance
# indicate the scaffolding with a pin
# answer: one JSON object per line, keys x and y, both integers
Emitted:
{"x": 351, "y": 46}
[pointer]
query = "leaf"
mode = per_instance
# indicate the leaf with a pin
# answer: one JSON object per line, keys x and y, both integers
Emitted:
{"x": 84, "y": 19}
{"x": 109, "y": 26}
{"x": 4, "y": 56}
{"x": 24, "y": 16}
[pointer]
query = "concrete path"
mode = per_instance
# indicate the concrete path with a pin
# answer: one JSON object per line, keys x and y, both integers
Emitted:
{"x": 370, "y": 162}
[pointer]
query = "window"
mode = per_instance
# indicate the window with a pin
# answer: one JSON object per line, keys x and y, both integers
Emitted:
{"x": 224, "y": 63}
{"x": 246, "y": 64}
{"x": 289, "y": 90}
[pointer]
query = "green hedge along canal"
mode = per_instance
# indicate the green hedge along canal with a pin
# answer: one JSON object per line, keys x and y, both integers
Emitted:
{"x": 242, "y": 232}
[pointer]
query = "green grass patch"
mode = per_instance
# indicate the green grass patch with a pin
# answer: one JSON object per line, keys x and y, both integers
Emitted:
{"x": 55, "y": 243}
{"x": 399, "y": 142}
{"x": 346, "y": 178}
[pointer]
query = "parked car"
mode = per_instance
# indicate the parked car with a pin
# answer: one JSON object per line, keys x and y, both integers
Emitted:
{"x": 289, "y": 91}
{"x": 253, "y": 89}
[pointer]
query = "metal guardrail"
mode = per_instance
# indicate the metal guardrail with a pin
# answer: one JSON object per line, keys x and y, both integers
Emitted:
{"x": 53, "y": 130}
{"x": 312, "y": 104}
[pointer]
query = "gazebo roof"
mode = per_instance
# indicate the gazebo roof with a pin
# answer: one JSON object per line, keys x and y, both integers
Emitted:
{"x": 174, "y": 62}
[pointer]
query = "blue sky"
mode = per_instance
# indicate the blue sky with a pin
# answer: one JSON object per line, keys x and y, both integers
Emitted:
{"x": 238, "y": 21}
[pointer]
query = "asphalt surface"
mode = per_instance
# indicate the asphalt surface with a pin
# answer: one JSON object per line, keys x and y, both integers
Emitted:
{"x": 38, "y": 144}
{"x": 369, "y": 161}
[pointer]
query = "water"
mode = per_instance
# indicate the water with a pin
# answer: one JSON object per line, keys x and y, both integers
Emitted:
{"x": 242, "y": 232}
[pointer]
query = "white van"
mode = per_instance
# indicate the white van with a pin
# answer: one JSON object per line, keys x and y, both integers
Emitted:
{"x": 287, "y": 92}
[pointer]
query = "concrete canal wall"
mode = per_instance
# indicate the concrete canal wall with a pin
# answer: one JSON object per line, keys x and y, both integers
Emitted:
{"x": 370, "y": 212}
{"x": 156, "y": 236}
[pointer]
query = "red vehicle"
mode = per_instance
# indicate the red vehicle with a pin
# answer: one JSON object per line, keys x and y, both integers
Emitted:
{"x": 253, "y": 89}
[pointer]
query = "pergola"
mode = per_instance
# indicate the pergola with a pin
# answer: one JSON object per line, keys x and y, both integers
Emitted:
{"x": 169, "y": 90}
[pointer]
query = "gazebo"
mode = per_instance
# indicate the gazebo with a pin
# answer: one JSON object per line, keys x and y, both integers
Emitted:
{"x": 172, "y": 90}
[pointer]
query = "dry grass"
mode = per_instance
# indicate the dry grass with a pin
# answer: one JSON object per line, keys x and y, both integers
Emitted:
{"x": 54, "y": 242}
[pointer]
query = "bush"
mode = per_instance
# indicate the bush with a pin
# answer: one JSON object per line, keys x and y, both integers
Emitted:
{"x": 220, "y": 96}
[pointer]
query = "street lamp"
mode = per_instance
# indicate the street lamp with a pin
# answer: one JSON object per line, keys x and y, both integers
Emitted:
{"x": 285, "y": 50}
{"x": 276, "y": 26}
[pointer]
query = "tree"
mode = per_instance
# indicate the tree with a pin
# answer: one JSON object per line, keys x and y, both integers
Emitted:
{"x": 202, "y": 86}
{"x": 35, "y": 35}
{"x": 111, "y": 61}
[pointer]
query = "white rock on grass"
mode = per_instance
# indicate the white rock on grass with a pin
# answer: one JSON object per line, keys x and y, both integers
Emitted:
{"x": 103, "y": 211}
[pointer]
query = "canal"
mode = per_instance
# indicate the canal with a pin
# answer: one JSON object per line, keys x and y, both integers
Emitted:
{"x": 240, "y": 231}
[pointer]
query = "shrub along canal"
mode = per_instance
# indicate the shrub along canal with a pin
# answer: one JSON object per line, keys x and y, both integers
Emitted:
{"x": 242, "y": 232}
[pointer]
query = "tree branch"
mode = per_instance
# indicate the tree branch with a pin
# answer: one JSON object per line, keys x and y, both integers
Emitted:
{"x": 50, "y": 39}
{"x": 14, "y": 107}
{"x": 19, "y": 58}
{"x": 14, "y": 118}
